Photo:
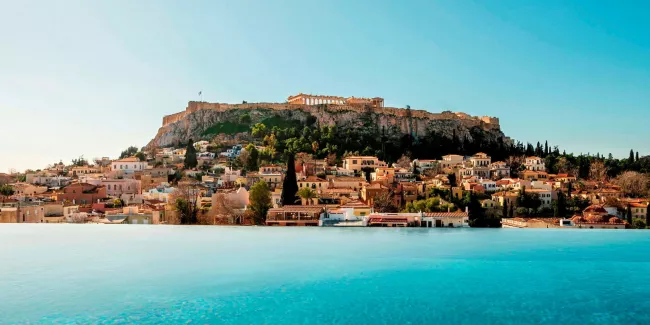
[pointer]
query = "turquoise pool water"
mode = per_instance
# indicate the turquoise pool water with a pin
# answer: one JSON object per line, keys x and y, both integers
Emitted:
{"x": 129, "y": 274}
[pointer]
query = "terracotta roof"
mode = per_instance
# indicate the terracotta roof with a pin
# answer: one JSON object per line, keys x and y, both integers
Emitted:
{"x": 128, "y": 159}
{"x": 313, "y": 179}
{"x": 446, "y": 214}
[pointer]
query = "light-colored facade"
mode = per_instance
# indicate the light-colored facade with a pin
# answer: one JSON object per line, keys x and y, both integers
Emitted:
{"x": 129, "y": 165}
{"x": 535, "y": 164}
{"x": 357, "y": 163}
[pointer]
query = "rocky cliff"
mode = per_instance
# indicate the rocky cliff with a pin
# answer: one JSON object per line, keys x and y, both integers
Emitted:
{"x": 198, "y": 120}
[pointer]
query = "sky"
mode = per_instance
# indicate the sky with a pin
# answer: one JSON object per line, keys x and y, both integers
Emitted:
{"x": 94, "y": 77}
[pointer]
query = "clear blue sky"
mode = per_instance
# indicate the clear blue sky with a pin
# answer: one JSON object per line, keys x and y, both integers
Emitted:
{"x": 93, "y": 77}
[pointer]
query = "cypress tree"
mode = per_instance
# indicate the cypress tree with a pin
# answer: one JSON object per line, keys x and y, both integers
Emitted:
{"x": 546, "y": 148}
{"x": 505, "y": 209}
{"x": 190, "y": 156}
{"x": 631, "y": 158}
{"x": 512, "y": 211}
{"x": 637, "y": 156}
{"x": 629, "y": 214}
{"x": 647, "y": 215}
{"x": 290, "y": 183}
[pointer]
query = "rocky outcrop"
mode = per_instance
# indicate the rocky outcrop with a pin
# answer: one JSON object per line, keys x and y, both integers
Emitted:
{"x": 199, "y": 117}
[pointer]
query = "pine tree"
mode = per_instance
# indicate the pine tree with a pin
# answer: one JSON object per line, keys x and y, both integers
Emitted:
{"x": 290, "y": 183}
{"x": 190, "y": 156}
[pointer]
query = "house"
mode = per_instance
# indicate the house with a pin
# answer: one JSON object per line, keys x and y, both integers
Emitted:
{"x": 449, "y": 161}
{"x": 313, "y": 167}
{"x": 384, "y": 174}
{"x": 425, "y": 165}
{"x": 354, "y": 183}
{"x": 565, "y": 178}
{"x": 129, "y": 165}
{"x": 338, "y": 171}
{"x": 510, "y": 198}
{"x": 26, "y": 189}
{"x": 294, "y": 215}
{"x": 370, "y": 191}
{"x": 534, "y": 163}
{"x": 480, "y": 160}
{"x": 272, "y": 175}
{"x": 499, "y": 169}
{"x": 81, "y": 193}
{"x": 84, "y": 170}
{"x": 356, "y": 209}
{"x": 405, "y": 193}
{"x": 134, "y": 215}
{"x": 22, "y": 213}
{"x": 533, "y": 175}
{"x": 639, "y": 210}
{"x": 458, "y": 219}
{"x": 488, "y": 185}
{"x": 357, "y": 163}
{"x": 314, "y": 183}
{"x": 160, "y": 193}
{"x": 545, "y": 195}
{"x": 118, "y": 187}
{"x": 489, "y": 204}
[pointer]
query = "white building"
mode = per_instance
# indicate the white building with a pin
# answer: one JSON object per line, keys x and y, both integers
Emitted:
{"x": 129, "y": 165}
{"x": 535, "y": 164}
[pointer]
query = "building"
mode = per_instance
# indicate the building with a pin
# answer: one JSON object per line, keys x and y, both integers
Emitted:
{"x": 499, "y": 169}
{"x": 81, "y": 193}
{"x": 425, "y": 165}
{"x": 314, "y": 183}
{"x": 354, "y": 183}
{"x": 85, "y": 170}
{"x": 639, "y": 210}
{"x": 129, "y": 165}
{"x": 305, "y": 99}
{"x": 358, "y": 163}
{"x": 535, "y": 164}
{"x": 294, "y": 215}
{"x": 118, "y": 187}
{"x": 449, "y": 161}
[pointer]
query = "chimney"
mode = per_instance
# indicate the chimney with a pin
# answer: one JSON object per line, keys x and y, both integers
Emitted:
{"x": 467, "y": 210}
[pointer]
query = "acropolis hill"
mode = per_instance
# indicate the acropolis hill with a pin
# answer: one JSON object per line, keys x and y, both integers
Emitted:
{"x": 327, "y": 110}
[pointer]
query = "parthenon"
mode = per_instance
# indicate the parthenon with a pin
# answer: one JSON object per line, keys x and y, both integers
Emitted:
{"x": 305, "y": 99}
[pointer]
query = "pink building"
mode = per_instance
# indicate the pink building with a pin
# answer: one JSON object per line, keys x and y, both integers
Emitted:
{"x": 118, "y": 187}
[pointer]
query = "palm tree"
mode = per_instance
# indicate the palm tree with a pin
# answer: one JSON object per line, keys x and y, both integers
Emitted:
{"x": 307, "y": 194}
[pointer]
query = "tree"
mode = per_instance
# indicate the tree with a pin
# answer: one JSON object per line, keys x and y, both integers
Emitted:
{"x": 647, "y": 215}
{"x": 130, "y": 151}
{"x": 629, "y": 214}
{"x": 403, "y": 162}
{"x": 511, "y": 213}
{"x": 633, "y": 183}
{"x": 307, "y": 194}
{"x": 185, "y": 201}
{"x": 637, "y": 156}
{"x": 560, "y": 206}
{"x": 81, "y": 161}
{"x": 383, "y": 202}
{"x": 290, "y": 183}
{"x": 6, "y": 191}
{"x": 638, "y": 223}
{"x": 631, "y": 158}
{"x": 504, "y": 213}
{"x": 259, "y": 201}
{"x": 190, "y": 156}
{"x": 598, "y": 171}
{"x": 141, "y": 156}
{"x": 245, "y": 119}
{"x": 222, "y": 211}
{"x": 253, "y": 156}
{"x": 452, "y": 179}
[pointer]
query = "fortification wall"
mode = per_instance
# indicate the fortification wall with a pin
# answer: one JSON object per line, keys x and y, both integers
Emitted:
{"x": 467, "y": 120}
